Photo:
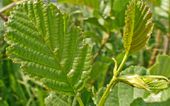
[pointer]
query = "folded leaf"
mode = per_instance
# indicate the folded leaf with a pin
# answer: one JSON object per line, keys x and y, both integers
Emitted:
{"x": 137, "y": 76}
{"x": 138, "y": 26}
{"x": 148, "y": 82}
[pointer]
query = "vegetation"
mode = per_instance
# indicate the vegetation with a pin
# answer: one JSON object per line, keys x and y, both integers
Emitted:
{"x": 84, "y": 53}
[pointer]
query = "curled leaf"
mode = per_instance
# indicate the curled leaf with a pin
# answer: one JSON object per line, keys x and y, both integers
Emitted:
{"x": 148, "y": 82}
{"x": 156, "y": 83}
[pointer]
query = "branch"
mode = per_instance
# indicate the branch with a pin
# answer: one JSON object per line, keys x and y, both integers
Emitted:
{"x": 114, "y": 79}
{"x": 156, "y": 48}
{"x": 8, "y": 7}
{"x": 5, "y": 18}
{"x": 166, "y": 44}
{"x": 104, "y": 41}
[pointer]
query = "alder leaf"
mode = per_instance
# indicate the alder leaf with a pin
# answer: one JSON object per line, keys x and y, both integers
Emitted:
{"x": 141, "y": 102}
{"x": 123, "y": 95}
{"x": 138, "y": 26}
{"x": 137, "y": 76}
{"x": 48, "y": 46}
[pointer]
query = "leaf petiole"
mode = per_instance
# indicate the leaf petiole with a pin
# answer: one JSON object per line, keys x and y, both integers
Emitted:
{"x": 117, "y": 72}
{"x": 79, "y": 100}
{"x": 114, "y": 79}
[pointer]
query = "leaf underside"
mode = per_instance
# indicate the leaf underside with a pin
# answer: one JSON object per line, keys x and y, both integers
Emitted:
{"x": 48, "y": 46}
{"x": 138, "y": 26}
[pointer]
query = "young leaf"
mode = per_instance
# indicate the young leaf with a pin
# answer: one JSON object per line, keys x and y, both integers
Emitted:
{"x": 138, "y": 26}
{"x": 148, "y": 82}
{"x": 48, "y": 46}
{"x": 137, "y": 76}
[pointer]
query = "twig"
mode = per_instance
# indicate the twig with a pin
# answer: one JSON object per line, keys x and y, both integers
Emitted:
{"x": 104, "y": 41}
{"x": 166, "y": 45}
{"x": 5, "y": 18}
{"x": 169, "y": 42}
{"x": 156, "y": 48}
{"x": 8, "y": 7}
{"x": 79, "y": 100}
{"x": 112, "y": 83}
{"x": 114, "y": 79}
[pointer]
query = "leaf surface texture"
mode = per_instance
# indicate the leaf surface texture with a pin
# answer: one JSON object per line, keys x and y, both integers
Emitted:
{"x": 138, "y": 26}
{"x": 48, "y": 46}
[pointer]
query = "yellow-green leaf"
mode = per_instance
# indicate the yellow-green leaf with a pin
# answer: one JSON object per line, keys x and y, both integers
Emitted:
{"x": 148, "y": 82}
{"x": 138, "y": 26}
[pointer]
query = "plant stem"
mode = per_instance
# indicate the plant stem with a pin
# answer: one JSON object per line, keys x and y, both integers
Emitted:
{"x": 113, "y": 81}
{"x": 79, "y": 101}
{"x": 106, "y": 93}
{"x": 121, "y": 65}
{"x": 103, "y": 43}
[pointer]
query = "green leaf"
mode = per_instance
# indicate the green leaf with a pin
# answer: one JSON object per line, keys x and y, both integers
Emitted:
{"x": 6, "y": 2}
{"x": 147, "y": 82}
{"x": 3, "y": 103}
{"x": 123, "y": 95}
{"x": 54, "y": 100}
{"x": 158, "y": 97}
{"x": 98, "y": 73}
{"x": 135, "y": 76}
{"x": 143, "y": 81}
{"x": 161, "y": 67}
{"x": 139, "y": 70}
{"x": 48, "y": 46}
{"x": 141, "y": 102}
{"x": 155, "y": 2}
{"x": 138, "y": 26}
{"x": 119, "y": 5}
{"x": 90, "y": 3}
{"x": 94, "y": 21}
{"x": 118, "y": 8}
